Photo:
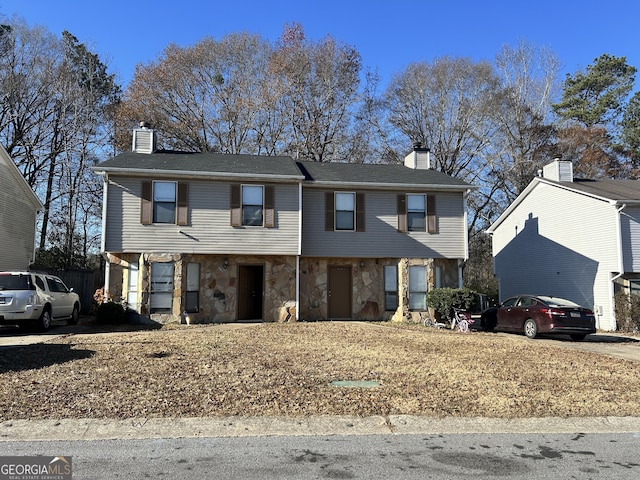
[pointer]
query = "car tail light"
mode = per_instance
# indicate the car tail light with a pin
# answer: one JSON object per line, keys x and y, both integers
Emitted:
{"x": 552, "y": 312}
{"x": 33, "y": 299}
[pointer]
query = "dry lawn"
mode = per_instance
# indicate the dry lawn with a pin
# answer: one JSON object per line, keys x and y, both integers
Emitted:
{"x": 287, "y": 369}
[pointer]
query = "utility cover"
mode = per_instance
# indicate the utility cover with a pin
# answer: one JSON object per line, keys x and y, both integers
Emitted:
{"x": 355, "y": 383}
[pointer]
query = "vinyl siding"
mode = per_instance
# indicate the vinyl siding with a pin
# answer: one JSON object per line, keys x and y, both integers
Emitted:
{"x": 208, "y": 230}
{"x": 17, "y": 221}
{"x": 630, "y": 227}
{"x": 560, "y": 243}
{"x": 381, "y": 238}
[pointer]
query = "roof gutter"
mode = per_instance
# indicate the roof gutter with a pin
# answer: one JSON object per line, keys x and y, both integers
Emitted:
{"x": 389, "y": 186}
{"x": 173, "y": 173}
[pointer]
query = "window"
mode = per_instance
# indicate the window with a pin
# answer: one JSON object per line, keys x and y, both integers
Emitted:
{"x": 418, "y": 287}
{"x": 252, "y": 205}
{"x": 345, "y": 211}
{"x": 390, "y": 287}
{"x": 56, "y": 285}
{"x": 161, "y": 287}
{"x": 164, "y": 202}
{"x": 192, "y": 303}
{"x": 438, "y": 272}
{"x": 416, "y": 213}
{"x": 132, "y": 290}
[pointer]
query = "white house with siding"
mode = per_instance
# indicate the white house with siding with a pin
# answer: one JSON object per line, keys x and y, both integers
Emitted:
{"x": 19, "y": 207}
{"x": 572, "y": 238}
{"x": 207, "y": 237}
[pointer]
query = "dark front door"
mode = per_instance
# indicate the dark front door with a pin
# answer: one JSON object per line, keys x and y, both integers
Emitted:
{"x": 250, "y": 292}
{"x": 339, "y": 294}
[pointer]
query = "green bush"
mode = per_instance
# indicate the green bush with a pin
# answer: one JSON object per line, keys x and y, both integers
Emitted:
{"x": 628, "y": 312}
{"x": 110, "y": 313}
{"x": 443, "y": 300}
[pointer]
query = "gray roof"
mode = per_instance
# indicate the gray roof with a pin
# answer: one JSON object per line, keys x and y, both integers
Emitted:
{"x": 619, "y": 190}
{"x": 380, "y": 175}
{"x": 204, "y": 164}
{"x": 282, "y": 168}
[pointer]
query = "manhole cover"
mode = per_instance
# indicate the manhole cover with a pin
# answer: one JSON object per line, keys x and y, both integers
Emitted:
{"x": 355, "y": 383}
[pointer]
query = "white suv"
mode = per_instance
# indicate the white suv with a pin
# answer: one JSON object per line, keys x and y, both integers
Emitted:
{"x": 28, "y": 298}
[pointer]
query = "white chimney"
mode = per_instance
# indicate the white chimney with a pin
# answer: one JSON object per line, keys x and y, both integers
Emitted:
{"x": 418, "y": 158}
{"x": 144, "y": 139}
{"x": 559, "y": 170}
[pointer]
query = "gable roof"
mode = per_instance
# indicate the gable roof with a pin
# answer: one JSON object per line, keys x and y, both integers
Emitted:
{"x": 377, "y": 175}
{"x": 279, "y": 168}
{"x": 210, "y": 165}
{"x": 606, "y": 190}
{"x": 14, "y": 172}
{"x": 620, "y": 191}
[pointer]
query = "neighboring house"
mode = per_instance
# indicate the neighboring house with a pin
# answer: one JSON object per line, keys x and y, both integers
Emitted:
{"x": 19, "y": 207}
{"x": 572, "y": 238}
{"x": 221, "y": 238}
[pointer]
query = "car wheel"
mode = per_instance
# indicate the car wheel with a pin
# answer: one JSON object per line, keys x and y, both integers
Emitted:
{"x": 75, "y": 315}
{"x": 530, "y": 328}
{"x": 44, "y": 322}
{"x": 577, "y": 337}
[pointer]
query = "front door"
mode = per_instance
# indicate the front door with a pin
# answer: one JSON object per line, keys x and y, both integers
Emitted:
{"x": 250, "y": 292}
{"x": 339, "y": 293}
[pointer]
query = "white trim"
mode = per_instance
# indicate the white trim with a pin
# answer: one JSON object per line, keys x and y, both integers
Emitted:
{"x": 105, "y": 186}
{"x": 300, "y": 218}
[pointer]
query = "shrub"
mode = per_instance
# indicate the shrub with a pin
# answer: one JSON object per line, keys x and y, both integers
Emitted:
{"x": 443, "y": 300}
{"x": 627, "y": 309}
{"x": 110, "y": 312}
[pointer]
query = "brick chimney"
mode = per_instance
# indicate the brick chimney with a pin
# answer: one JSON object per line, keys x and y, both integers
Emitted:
{"x": 418, "y": 158}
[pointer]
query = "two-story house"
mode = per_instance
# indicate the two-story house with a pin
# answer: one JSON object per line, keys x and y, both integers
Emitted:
{"x": 19, "y": 208}
{"x": 572, "y": 238}
{"x": 220, "y": 238}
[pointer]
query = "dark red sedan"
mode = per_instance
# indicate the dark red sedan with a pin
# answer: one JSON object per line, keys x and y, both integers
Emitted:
{"x": 534, "y": 314}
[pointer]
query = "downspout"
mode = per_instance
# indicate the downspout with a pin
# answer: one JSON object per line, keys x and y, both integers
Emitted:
{"x": 103, "y": 240}
{"x": 466, "y": 239}
{"x": 299, "y": 251}
{"x": 620, "y": 265}
{"x": 105, "y": 183}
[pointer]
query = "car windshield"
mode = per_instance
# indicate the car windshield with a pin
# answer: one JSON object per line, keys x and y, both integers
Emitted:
{"x": 14, "y": 282}
{"x": 558, "y": 302}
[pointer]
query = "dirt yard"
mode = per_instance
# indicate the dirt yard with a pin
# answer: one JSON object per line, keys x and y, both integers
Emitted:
{"x": 287, "y": 369}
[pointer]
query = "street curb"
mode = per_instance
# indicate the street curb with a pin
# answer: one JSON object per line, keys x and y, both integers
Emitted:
{"x": 144, "y": 428}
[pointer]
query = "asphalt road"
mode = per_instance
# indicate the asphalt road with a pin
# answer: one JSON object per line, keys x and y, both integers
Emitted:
{"x": 451, "y": 456}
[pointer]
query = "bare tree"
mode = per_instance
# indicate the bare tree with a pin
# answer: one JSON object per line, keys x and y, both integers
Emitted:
{"x": 447, "y": 105}
{"x": 525, "y": 137}
{"x": 321, "y": 82}
{"x": 208, "y": 97}
{"x": 53, "y": 96}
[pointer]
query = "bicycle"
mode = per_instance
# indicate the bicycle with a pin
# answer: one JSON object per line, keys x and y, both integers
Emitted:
{"x": 462, "y": 319}
{"x": 430, "y": 322}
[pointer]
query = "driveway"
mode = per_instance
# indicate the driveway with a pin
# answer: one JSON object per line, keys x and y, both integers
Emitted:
{"x": 11, "y": 336}
{"x": 614, "y": 344}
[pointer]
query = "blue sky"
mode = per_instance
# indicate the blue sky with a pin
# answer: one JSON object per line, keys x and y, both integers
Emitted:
{"x": 388, "y": 34}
